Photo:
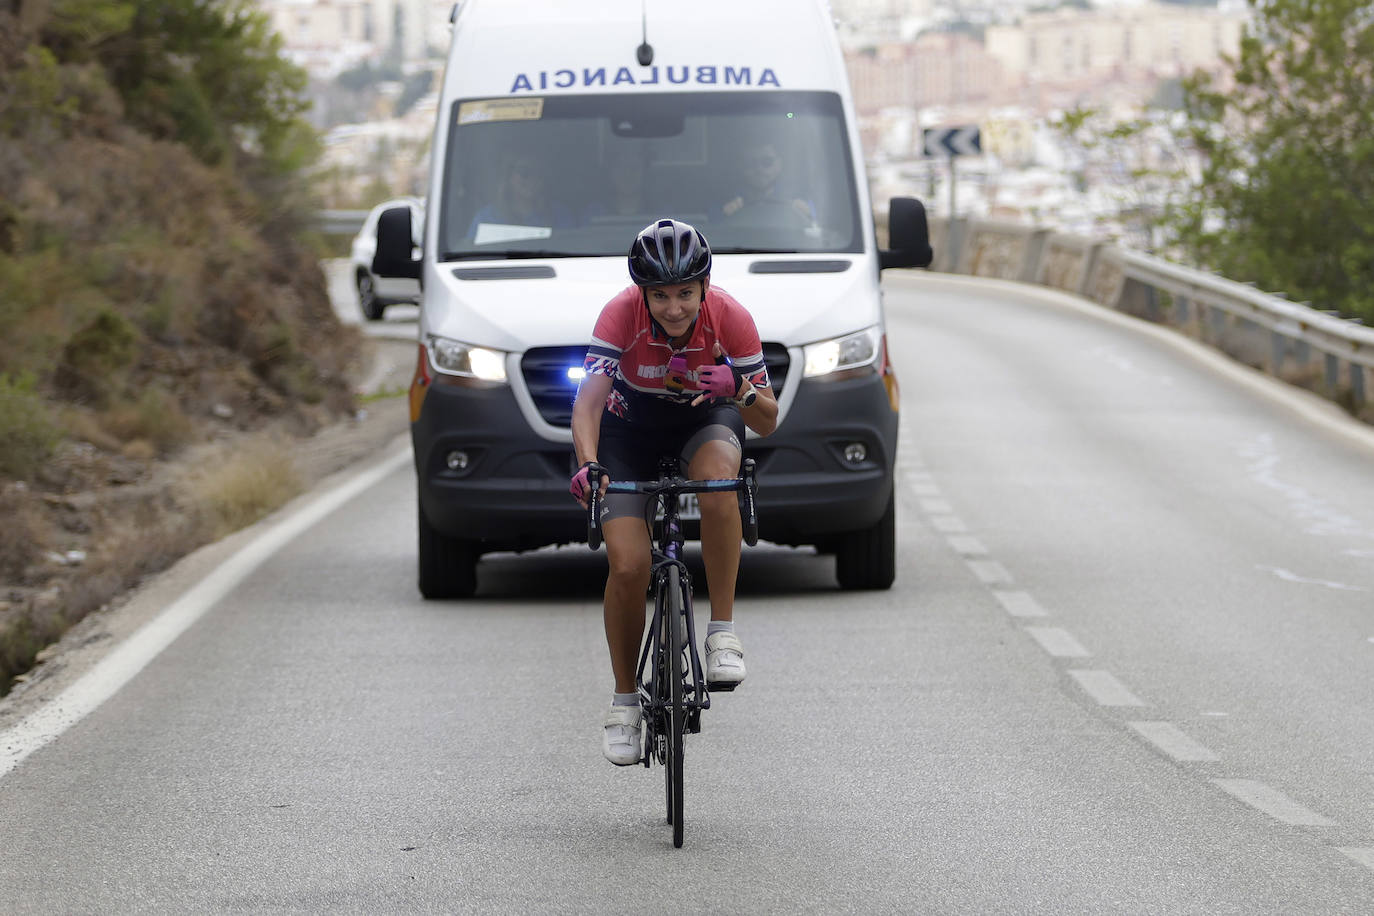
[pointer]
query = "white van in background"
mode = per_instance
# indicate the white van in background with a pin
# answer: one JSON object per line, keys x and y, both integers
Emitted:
{"x": 565, "y": 128}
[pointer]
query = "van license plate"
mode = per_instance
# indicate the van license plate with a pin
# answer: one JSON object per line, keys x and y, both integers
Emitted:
{"x": 687, "y": 506}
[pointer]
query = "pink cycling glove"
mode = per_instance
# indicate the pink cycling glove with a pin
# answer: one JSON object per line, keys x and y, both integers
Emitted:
{"x": 581, "y": 483}
{"x": 719, "y": 380}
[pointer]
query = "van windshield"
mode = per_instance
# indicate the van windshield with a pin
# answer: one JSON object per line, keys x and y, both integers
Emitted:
{"x": 578, "y": 176}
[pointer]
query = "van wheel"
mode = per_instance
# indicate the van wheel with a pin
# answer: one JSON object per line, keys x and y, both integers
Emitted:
{"x": 868, "y": 559}
{"x": 448, "y": 566}
{"x": 372, "y": 308}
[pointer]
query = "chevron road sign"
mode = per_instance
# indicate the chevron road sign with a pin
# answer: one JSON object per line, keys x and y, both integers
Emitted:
{"x": 952, "y": 141}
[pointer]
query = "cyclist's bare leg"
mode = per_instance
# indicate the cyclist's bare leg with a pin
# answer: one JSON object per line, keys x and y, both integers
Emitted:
{"x": 721, "y": 529}
{"x": 628, "y": 552}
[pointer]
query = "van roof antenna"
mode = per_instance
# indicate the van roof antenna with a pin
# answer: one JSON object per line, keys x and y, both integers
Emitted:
{"x": 645, "y": 52}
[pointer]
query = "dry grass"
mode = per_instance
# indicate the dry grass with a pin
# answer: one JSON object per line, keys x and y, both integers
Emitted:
{"x": 236, "y": 485}
{"x": 20, "y": 543}
{"x": 155, "y": 422}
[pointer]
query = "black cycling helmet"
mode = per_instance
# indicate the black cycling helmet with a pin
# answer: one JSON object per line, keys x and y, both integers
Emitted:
{"x": 669, "y": 251}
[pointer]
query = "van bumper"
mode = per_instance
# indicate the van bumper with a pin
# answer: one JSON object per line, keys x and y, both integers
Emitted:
{"x": 809, "y": 493}
{"x": 513, "y": 493}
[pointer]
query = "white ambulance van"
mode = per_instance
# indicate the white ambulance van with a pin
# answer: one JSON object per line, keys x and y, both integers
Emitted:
{"x": 563, "y": 129}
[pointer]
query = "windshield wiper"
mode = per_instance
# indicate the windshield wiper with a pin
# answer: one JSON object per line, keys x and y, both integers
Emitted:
{"x": 499, "y": 254}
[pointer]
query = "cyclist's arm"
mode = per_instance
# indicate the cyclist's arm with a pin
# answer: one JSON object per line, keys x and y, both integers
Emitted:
{"x": 762, "y": 415}
{"x": 586, "y": 415}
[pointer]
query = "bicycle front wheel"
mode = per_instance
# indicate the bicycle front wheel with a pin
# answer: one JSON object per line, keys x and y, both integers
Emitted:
{"x": 675, "y": 607}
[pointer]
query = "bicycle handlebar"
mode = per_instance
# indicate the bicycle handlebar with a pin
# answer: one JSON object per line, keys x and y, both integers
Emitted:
{"x": 671, "y": 486}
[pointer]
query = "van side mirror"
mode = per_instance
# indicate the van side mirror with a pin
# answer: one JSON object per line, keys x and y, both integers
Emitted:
{"x": 908, "y": 235}
{"x": 394, "y": 256}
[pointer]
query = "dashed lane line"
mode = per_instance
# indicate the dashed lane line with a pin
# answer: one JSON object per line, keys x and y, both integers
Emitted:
{"x": 1361, "y": 854}
{"x": 966, "y": 545}
{"x": 1019, "y": 604}
{"x": 989, "y": 572}
{"x": 948, "y": 524}
{"x": 1104, "y": 688}
{"x": 1168, "y": 738}
{"x": 1272, "y": 802}
{"x": 1058, "y": 642}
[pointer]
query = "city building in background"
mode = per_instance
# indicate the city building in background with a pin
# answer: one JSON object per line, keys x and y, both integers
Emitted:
{"x": 1010, "y": 67}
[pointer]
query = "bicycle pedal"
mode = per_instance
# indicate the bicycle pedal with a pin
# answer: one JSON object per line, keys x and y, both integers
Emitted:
{"x": 721, "y": 686}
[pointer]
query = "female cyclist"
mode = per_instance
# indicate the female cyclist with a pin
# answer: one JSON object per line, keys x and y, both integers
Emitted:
{"x": 675, "y": 368}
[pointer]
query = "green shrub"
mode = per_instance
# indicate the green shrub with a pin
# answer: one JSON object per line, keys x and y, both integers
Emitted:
{"x": 27, "y": 432}
{"x": 95, "y": 355}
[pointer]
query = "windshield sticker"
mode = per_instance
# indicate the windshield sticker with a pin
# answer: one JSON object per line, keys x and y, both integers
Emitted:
{"x": 709, "y": 75}
{"x": 488, "y": 233}
{"x": 500, "y": 110}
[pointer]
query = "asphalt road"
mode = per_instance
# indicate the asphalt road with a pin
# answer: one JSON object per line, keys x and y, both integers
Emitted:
{"x": 1127, "y": 667}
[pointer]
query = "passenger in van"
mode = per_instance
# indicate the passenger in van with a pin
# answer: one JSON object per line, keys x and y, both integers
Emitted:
{"x": 761, "y": 199}
{"x": 624, "y": 194}
{"x": 522, "y": 199}
{"x": 675, "y": 368}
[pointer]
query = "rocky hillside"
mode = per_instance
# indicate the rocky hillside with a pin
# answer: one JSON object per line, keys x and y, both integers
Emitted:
{"x": 159, "y": 293}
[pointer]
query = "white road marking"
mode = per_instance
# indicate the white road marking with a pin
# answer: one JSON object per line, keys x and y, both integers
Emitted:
{"x": 1272, "y": 802}
{"x": 1318, "y": 517}
{"x": 966, "y": 545}
{"x": 1058, "y": 642}
{"x": 1019, "y": 604}
{"x": 948, "y": 524}
{"x": 1169, "y": 739}
{"x": 989, "y": 572}
{"x": 1288, "y": 576}
{"x": 1103, "y": 687}
{"x": 1362, "y": 854}
{"x": 936, "y": 506}
{"x": 130, "y": 657}
{"x": 1311, "y": 407}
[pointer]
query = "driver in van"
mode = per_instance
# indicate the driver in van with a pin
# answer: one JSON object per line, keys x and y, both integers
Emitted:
{"x": 523, "y": 199}
{"x": 675, "y": 367}
{"x": 761, "y": 167}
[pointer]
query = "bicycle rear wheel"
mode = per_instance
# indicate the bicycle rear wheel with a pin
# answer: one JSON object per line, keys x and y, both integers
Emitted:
{"x": 673, "y": 604}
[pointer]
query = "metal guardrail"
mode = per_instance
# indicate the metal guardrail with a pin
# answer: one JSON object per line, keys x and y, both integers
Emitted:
{"x": 1305, "y": 346}
{"x": 340, "y": 222}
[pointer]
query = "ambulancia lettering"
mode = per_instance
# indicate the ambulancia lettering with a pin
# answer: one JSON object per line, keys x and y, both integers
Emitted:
{"x": 672, "y": 75}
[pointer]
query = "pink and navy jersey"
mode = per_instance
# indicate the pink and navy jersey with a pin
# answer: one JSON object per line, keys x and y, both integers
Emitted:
{"x": 652, "y": 381}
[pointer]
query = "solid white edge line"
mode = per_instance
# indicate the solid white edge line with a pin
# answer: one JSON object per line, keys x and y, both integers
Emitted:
{"x": 1272, "y": 802}
{"x": 116, "y": 669}
{"x": 1311, "y": 407}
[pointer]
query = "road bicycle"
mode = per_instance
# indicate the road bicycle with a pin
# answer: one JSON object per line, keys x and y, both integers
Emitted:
{"x": 672, "y": 688}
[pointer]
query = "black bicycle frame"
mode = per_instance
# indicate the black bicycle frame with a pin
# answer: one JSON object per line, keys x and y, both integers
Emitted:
{"x": 667, "y": 554}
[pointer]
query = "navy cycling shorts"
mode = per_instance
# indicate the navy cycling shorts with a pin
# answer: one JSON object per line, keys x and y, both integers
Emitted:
{"x": 629, "y": 451}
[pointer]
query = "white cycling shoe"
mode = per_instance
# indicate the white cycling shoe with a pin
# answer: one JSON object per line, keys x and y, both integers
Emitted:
{"x": 620, "y": 736}
{"x": 724, "y": 661}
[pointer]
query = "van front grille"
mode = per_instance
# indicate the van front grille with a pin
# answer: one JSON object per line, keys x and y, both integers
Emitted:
{"x": 546, "y": 376}
{"x": 775, "y": 355}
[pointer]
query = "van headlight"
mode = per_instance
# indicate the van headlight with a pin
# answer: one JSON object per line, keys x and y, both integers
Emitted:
{"x": 455, "y": 358}
{"x": 842, "y": 354}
